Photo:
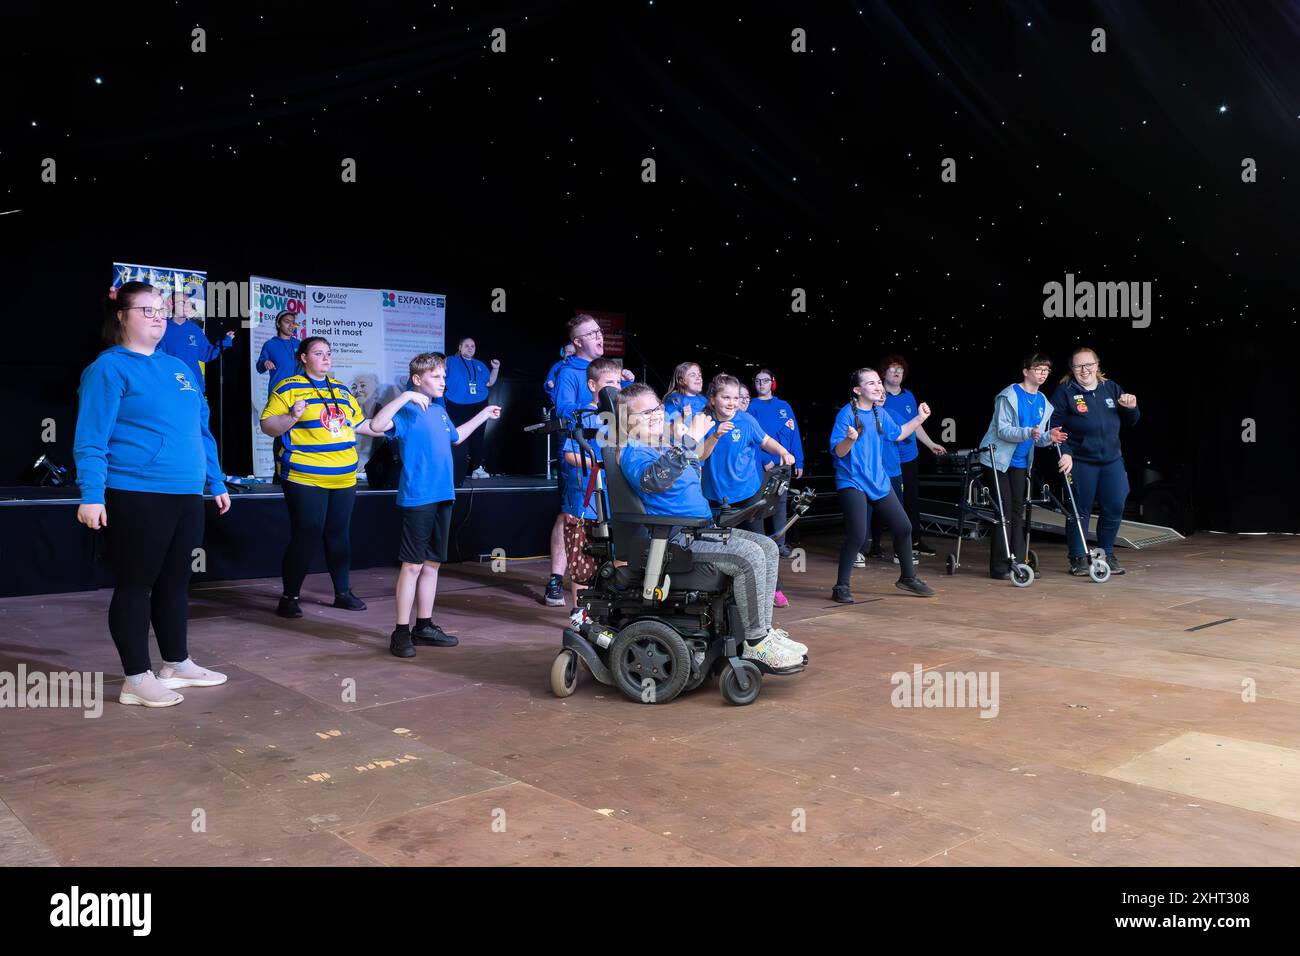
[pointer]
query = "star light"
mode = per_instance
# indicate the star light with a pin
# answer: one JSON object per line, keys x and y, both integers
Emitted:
{"x": 1223, "y": 108}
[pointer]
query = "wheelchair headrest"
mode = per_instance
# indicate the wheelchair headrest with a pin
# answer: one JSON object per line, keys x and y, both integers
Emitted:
{"x": 607, "y": 400}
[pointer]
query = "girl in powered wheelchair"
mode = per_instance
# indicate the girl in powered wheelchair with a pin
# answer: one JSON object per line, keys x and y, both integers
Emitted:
{"x": 677, "y": 595}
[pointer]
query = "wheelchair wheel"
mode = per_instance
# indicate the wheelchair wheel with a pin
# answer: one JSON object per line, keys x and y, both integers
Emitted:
{"x": 650, "y": 662}
{"x": 732, "y": 692}
{"x": 564, "y": 673}
{"x": 952, "y": 564}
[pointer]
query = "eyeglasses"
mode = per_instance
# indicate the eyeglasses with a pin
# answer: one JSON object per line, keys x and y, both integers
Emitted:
{"x": 762, "y": 381}
{"x": 591, "y": 334}
{"x": 650, "y": 413}
{"x": 1084, "y": 367}
{"x": 148, "y": 310}
{"x": 1043, "y": 368}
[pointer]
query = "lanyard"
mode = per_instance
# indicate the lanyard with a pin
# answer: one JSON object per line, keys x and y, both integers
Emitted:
{"x": 470, "y": 370}
{"x": 326, "y": 399}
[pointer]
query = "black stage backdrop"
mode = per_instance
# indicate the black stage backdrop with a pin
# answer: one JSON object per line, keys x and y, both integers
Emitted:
{"x": 775, "y": 170}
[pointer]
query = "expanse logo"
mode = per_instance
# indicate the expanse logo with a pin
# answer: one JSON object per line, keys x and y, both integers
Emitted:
{"x": 389, "y": 299}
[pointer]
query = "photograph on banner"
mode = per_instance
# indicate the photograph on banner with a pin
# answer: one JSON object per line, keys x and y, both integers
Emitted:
{"x": 352, "y": 321}
{"x": 267, "y": 298}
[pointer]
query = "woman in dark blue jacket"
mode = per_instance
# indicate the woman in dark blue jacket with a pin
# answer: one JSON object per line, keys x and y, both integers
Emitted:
{"x": 1089, "y": 408}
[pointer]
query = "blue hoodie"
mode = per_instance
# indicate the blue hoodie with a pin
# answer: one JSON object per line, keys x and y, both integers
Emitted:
{"x": 1092, "y": 420}
{"x": 142, "y": 425}
{"x": 188, "y": 343}
{"x": 777, "y": 418}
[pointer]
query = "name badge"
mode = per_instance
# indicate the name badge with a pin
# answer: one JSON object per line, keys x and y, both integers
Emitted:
{"x": 473, "y": 389}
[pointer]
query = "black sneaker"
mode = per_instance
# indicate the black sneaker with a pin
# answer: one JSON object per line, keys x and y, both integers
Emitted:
{"x": 922, "y": 547}
{"x": 1000, "y": 575}
{"x": 555, "y": 591}
{"x": 433, "y": 636}
{"x": 914, "y": 586}
{"x": 1114, "y": 564}
{"x": 840, "y": 594}
{"x": 349, "y": 601}
{"x": 399, "y": 645}
{"x": 289, "y": 607}
{"x": 1079, "y": 566}
{"x": 877, "y": 553}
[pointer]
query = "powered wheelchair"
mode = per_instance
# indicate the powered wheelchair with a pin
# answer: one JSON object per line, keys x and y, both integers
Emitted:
{"x": 664, "y": 622}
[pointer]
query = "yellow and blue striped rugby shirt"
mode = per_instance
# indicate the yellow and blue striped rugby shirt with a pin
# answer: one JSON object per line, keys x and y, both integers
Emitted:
{"x": 314, "y": 455}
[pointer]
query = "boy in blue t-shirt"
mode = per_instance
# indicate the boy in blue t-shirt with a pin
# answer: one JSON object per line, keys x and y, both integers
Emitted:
{"x": 666, "y": 477}
{"x": 576, "y": 478}
{"x": 426, "y": 494}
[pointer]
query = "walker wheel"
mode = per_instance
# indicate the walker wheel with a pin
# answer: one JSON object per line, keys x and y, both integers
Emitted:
{"x": 952, "y": 564}
{"x": 1031, "y": 559}
{"x": 1022, "y": 575}
{"x": 1099, "y": 570}
{"x": 564, "y": 673}
{"x": 732, "y": 692}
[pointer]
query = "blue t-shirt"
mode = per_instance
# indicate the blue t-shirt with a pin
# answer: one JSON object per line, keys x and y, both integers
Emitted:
{"x": 777, "y": 418}
{"x": 573, "y": 483}
{"x": 1031, "y": 409}
{"x": 188, "y": 343}
{"x": 891, "y": 450}
{"x": 903, "y": 407}
{"x": 682, "y": 406}
{"x": 282, "y": 353}
{"x": 467, "y": 380}
{"x": 864, "y": 466}
{"x": 732, "y": 471}
{"x": 425, "y": 438}
{"x": 683, "y": 500}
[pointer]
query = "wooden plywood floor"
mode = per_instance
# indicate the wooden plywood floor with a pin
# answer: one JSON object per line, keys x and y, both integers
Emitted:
{"x": 1125, "y": 731}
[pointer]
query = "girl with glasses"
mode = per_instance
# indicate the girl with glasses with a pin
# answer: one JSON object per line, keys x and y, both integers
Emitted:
{"x": 144, "y": 454}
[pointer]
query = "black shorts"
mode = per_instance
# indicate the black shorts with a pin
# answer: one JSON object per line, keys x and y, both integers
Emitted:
{"x": 426, "y": 530}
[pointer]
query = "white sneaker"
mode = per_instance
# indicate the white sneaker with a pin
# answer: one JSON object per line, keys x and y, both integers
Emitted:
{"x": 479, "y": 473}
{"x": 189, "y": 675}
{"x": 782, "y": 635}
{"x": 149, "y": 693}
{"x": 860, "y": 561}
{"x": 772, "y": 652}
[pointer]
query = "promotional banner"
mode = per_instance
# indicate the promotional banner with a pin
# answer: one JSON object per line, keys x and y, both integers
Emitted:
{"x": 267, "y": 298}
{"x": 373, "y": 334}
{"x": 190, "y": 282}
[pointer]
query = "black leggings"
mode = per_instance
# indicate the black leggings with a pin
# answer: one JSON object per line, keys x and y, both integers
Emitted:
{"x": 857, "y": 508}
{"x": 316, "y": 514}
{"x": 468, "y": 455}
{"x": 150, "y": 540}
{"x": 912, "y": 495}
